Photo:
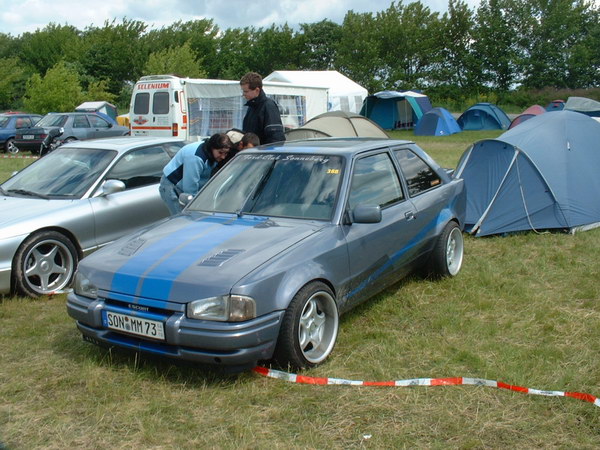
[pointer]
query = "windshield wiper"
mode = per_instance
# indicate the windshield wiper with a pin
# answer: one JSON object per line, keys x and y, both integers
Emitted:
{"x": 28, "y": 193}
{"x": 3, "y": 192}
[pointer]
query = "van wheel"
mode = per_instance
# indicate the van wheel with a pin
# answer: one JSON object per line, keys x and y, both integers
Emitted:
{"x": 309, "y": 328}
{"x": 44, "y": 264}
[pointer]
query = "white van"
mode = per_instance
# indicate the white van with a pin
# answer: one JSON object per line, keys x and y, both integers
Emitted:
{"x": 158, "y": 107}
{"x": 165, "y": 105}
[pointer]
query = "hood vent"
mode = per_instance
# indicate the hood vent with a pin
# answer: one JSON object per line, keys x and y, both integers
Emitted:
{"x": 132, "y": 246}
{"x": 220, "y": 258}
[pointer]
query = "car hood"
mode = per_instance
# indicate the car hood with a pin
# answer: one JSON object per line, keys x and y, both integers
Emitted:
{"x": 195, "y": 256}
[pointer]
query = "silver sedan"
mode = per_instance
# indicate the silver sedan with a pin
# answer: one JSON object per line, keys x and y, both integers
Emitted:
{"x": 72, "y": 202}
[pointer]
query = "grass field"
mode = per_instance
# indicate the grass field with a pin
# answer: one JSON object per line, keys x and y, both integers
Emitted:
{"x": 525, "y": 310}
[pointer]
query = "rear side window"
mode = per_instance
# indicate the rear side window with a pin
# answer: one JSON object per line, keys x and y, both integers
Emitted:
{"x": 140, "y": 167}
{"x": 98, "y": 122}
{"x": 141, "y": 103}
{"x": 80, "y": 122}
{"x": 375, "y": 182}
{"x": 419, "y": 176}
{"x": 160, "y": 103}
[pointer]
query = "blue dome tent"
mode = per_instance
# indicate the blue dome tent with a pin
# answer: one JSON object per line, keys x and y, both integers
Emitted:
{"x": 393, "y": 110}
{"x": 437, "y": 122}
{"x": 540, "y": 175}
{"x": 484, "y": 116}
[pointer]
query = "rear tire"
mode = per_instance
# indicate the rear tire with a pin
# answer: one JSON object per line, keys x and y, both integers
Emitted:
{"x": 309, "y": 328}
{"x": 10, "y": 147}
{"x": 447, "y": 256}
{"x": 44, "y": 263}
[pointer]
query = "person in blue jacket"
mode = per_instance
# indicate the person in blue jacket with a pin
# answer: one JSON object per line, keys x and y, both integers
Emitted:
{"x": 190, "y": 169}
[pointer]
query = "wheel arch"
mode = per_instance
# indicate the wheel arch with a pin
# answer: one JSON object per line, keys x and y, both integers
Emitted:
{"x": 60, "y": 230}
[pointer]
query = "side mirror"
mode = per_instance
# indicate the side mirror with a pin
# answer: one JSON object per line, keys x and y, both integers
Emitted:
{"x": 112, "y": 186}
{"x": 185, "y": 199}
{"x": 366, "y": 214}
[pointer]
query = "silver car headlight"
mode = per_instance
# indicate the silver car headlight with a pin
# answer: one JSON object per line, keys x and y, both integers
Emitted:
{"x": 85, "y": 287}
{"x": 226, "y": 308}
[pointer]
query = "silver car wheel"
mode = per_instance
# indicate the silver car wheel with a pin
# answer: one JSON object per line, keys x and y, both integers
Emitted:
{"x": 454, "y": 251}
{"x": 44, "y": 264}
{"x": 11, "y": 147}
{"x": 317, "y": 327}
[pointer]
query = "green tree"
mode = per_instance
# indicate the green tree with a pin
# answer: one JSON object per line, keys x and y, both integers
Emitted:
{"x": 318, "y": 43}
{"x": 59, "y": 90}
{"x": 233, "y": 59}
{"x": 273, "y": 48}
{"x": 201, "y": 35}
{"x": 455, "y": 70}
{"x": 12, "y": 83}
{"x": 42, "y": 49}
{"x": 113, "y": 53}
{"x": 178, "y": 60}
{"x": 563, "y": 45}
{"x": 357, "y": 52}
{"x": 407, "y": 45}
{"x": 98, "y": 91}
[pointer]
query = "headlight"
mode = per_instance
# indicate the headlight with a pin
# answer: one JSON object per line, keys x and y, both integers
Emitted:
{"x": 226, "y": 308}
{"x": 84, "y": 287}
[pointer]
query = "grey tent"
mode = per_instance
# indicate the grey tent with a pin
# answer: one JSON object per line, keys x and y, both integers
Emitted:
{"x": 337, "y": 124}
{"x": 583, "y": 105}
{"x": 540, "y": 175}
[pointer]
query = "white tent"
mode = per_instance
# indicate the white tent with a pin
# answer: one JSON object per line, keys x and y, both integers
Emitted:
{"x": 343, "y": 93}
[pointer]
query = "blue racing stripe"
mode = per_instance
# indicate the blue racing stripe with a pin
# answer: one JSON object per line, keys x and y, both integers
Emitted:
{"x": 127, "y": 277}
{"x": 157, "y": 283}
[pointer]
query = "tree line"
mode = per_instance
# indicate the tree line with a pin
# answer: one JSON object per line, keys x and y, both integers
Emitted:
{"x": 516, "y": 51}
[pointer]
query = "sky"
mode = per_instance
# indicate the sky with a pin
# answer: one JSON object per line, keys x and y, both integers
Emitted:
{"x": 18, "y": 17}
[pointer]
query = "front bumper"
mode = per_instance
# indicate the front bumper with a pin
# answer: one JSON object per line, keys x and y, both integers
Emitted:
{"x": 202, "y": 341}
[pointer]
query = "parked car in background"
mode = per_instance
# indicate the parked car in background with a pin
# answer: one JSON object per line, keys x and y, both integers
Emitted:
{"x": 271, "y": 251}
{"x": 76, "y": 126}
{"x": 73, "y": 201}
{"x": 10, "y": 124}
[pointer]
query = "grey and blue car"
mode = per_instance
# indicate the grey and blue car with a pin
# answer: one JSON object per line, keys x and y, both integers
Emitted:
{"x": 264, "y": 260}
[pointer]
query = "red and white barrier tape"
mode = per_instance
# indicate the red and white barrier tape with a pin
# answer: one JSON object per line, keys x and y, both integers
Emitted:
{"x": 20, "y": 156}
{"x": 456, "y": 381}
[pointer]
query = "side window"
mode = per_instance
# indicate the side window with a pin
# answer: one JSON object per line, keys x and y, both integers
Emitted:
{"x": 21, "y": 122}
{"x": 419, "y": 176}
{"x": 375, "y": 182}
{"x": 160, "y": 103}
{"x": 140, "y": 167}
{"x": 141, "y": 103}
{"x": 80, "y": 122}
{"x": 98, "y": 122}
{"x": 173, "y": 148}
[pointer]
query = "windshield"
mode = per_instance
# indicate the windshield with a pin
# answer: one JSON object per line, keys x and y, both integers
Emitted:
{"x": 66, "y": 173}
{"x": 52, "y": 120}
{"x": 298, "y": 186}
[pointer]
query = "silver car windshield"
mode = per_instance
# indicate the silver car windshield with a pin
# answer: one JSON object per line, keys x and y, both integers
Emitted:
{"x": 64, "y": 173}
{"x": 282, "y": 185}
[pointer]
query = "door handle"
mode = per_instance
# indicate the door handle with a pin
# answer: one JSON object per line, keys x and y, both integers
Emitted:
{"x": 409, "y": 215}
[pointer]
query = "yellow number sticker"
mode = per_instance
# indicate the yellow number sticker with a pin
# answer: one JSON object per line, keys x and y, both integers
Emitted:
{"x": 336, "y": 171}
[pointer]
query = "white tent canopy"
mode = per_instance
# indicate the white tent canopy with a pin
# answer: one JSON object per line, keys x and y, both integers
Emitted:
{"x": 343, "y": 93}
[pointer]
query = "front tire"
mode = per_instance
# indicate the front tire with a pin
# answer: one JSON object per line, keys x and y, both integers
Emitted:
{"x": 309, "y": 328}
{"x": 44, "y": 263}
{"x": 447, "y": 256}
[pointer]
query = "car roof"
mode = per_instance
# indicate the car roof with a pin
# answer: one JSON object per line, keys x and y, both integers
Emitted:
{"x": 331, "y": 146}
{"x": 122, "y": 143}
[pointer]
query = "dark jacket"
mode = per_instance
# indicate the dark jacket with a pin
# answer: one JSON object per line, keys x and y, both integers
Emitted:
{"x": 263, "y": 119}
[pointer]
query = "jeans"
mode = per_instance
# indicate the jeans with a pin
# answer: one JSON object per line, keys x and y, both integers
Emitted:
{"x": 170, "y": 195}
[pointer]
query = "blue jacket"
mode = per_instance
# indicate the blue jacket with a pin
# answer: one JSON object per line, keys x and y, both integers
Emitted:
{"x": 190, "y": 168}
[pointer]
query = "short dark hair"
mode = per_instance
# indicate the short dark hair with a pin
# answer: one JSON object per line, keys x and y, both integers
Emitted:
{"x": 250, "y": 138}
{"x": 219, "y": 140}
{"x": 253, "y": 80}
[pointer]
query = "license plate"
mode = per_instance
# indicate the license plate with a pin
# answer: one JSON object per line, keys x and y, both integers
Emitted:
{"x": 134, "y": 325}
{"x": 28, "y": 136}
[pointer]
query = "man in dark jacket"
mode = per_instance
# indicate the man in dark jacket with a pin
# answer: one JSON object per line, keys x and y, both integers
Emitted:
{"x": 262, "y": 117}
